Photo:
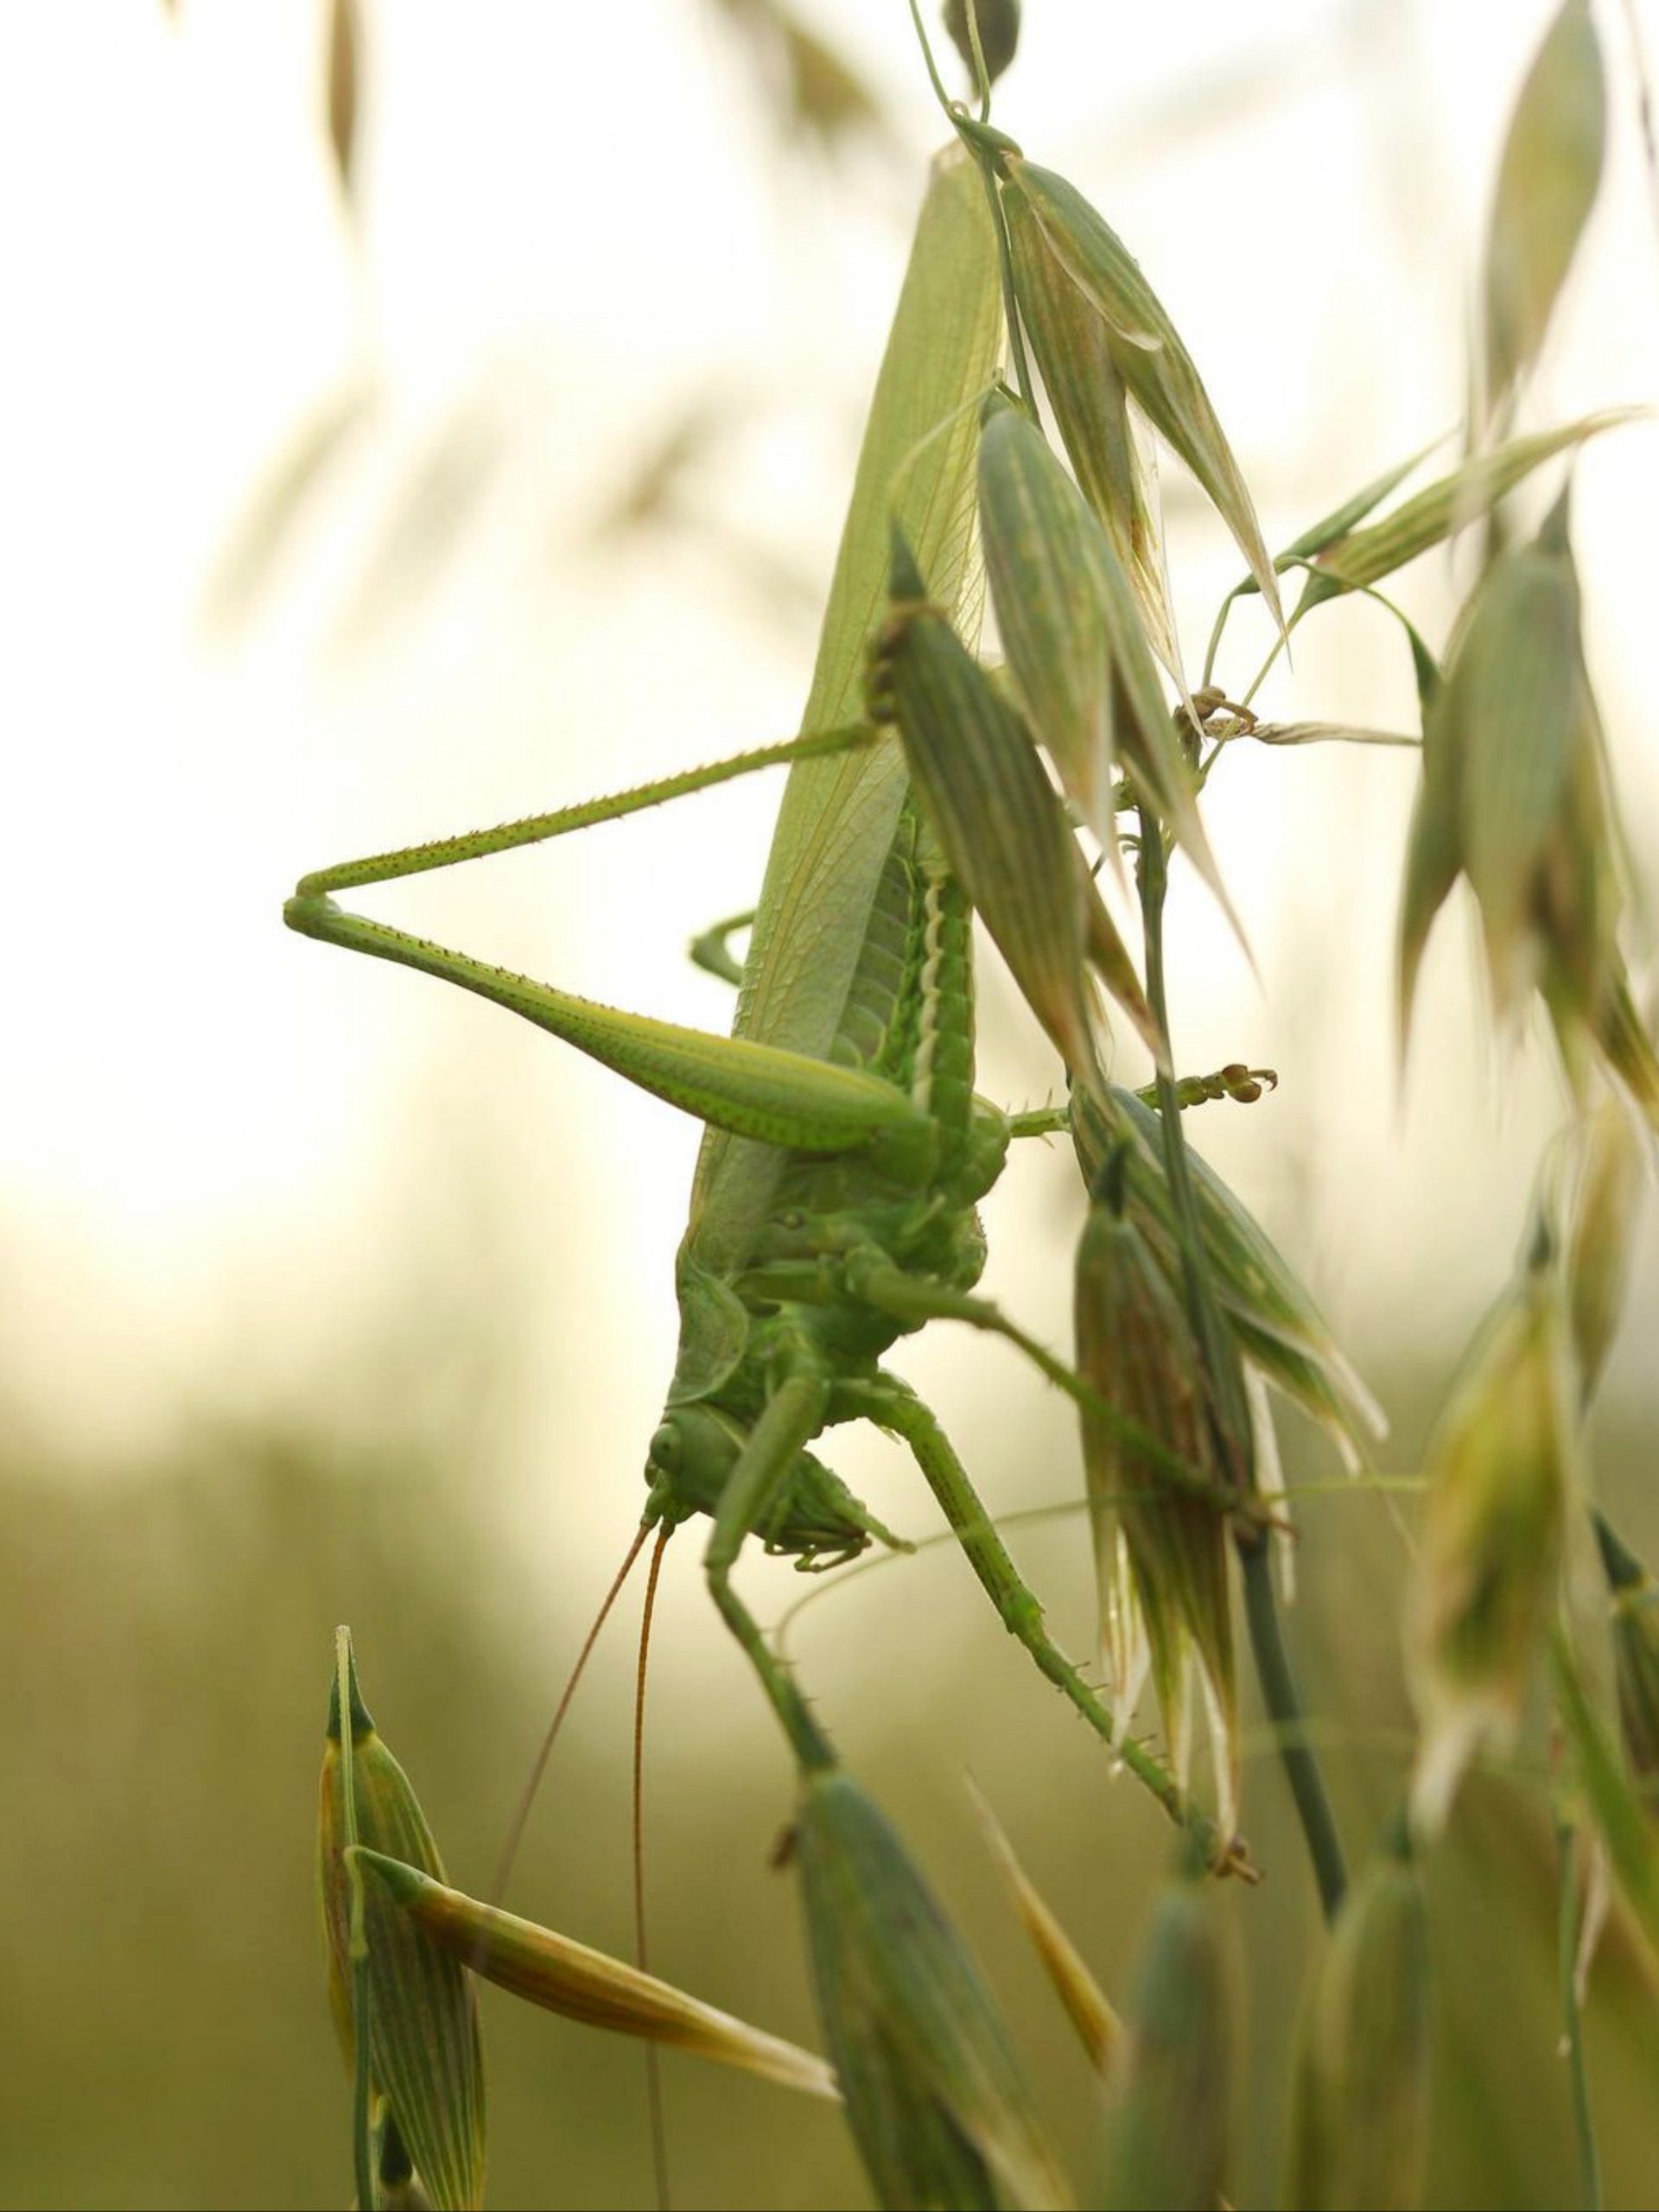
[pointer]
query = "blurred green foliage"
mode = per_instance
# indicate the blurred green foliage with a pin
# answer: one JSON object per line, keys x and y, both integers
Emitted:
{"x": 164, "y": 1644}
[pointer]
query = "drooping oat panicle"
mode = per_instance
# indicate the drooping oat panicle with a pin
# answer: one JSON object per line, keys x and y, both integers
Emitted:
{"x": 1466, "y": 495}
{"x": 1634, "y": 1597}
{"x": 1086, "y": 2002}
{"x": 1170, "y": 2126}
{"x": 1135, "y": 1345}
{"x": 580, "y": 1984}
{"x": 1500, "y": 1466}
{"x": 425, "y": 2055}
{"x": 1602, "y": 1242}
{"x": 1279, "y": 1328}
{"x": 1359, "y": 2124}
{"x": 1547, "y": 185}
{"x": 1080, "y": 662}
{"x": 997, "y": 816}
{"x": 998, "y": 25}
{"x": 1145, "y": 347}
{"x": 932, "y": 2093}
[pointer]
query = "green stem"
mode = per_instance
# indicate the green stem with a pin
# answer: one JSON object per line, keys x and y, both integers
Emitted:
{"x": 1283, "y": 1700}
{"x": 1279, "y": 1691}
{"x": 1584, "y": 2124}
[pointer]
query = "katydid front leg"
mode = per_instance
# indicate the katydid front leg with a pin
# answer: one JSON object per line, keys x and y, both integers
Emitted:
{"x": 793, "y": 1416}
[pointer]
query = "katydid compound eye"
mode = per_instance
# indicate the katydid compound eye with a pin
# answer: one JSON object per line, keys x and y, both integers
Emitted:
{"x": 665, "y": 1449}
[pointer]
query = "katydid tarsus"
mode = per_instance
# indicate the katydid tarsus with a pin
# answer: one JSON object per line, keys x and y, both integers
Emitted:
{"x": 833, "y": 1208}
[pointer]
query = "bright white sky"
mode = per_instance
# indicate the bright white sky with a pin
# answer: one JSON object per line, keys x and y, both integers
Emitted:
{"x": 215, "y": 1137}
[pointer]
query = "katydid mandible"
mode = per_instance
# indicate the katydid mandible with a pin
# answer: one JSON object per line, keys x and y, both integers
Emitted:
{"x": 833, "y": 1208}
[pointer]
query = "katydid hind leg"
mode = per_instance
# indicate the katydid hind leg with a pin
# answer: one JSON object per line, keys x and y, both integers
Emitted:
{"x": 894, "y": 1406}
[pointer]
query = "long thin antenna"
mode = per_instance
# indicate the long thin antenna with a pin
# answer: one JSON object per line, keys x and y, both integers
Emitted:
{"x": 653, "y": 2060}
{"x": 520, "y": 1820}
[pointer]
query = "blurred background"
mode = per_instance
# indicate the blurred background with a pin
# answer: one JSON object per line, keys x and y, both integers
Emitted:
{"x": 420, "y": 416}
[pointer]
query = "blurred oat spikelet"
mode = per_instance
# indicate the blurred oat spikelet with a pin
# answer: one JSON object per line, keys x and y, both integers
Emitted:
{"x": 1516, "y": 796}
{"x": 1160, "y": 1553}
{"x": 1501, "y": 1465}
{"x": 426, "y": 2065}
{"x": 933, "y": 2094}
{"x": 1169, "y": 2124}
{"x": 1359, "y": 2127}
{"x": 1546, "y": 184}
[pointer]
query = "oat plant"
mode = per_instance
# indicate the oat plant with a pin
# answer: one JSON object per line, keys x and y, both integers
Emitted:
{"x": 1005, "y": 471}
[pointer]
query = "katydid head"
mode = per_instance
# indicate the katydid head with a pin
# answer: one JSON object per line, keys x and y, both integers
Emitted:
{"x": 816, "y": 1520}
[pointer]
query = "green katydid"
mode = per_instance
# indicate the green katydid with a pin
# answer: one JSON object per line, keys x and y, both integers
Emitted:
{"x": 834, "y": 1204}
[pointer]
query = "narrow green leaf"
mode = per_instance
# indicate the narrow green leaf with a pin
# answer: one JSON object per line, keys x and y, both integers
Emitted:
{"x": 1145, "y": 347}
{"x": 1547, "y": 185}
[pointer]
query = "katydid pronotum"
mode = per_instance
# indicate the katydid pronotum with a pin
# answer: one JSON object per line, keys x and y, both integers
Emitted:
{"x": 833, "y": 1208}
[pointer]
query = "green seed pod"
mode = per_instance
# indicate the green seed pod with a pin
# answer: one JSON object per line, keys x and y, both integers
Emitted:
{"x": 1499, "y": 1467}
{"x": 1068, "y": 339}
{"x": 1546, "y": 184}
{"x": 1516, "y": 795}
{"x": 1170, "y": 2126}
{"x": 1359, "y": 2129}
{"x": 933, "y": 2097}
{"x": 995, "y": 813}
{"x": 1279, "y": 1328}
{"x": 1080, "y": 663}
{"x": 998, "y": 23}
{"x": 426, "y": 2059}
{"x": 1135, "y": 1345}
{"x": 1635, "y": 1658}
{"x": 1145, "y": 347}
